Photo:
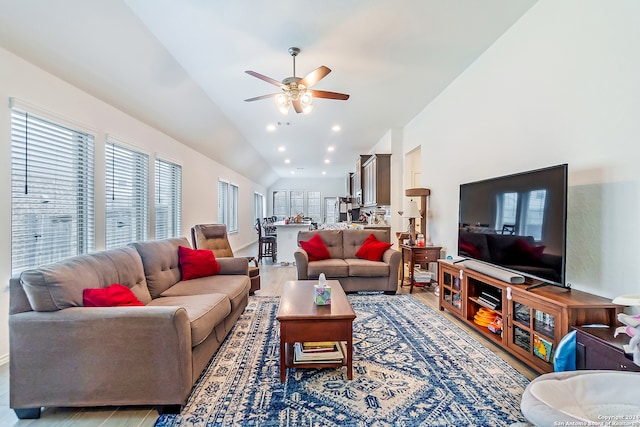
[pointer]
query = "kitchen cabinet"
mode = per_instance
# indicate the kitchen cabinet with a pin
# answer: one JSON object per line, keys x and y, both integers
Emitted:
{"x": 376, "y": 180}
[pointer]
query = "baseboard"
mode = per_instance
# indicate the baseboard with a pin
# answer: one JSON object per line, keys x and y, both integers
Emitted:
{"x": 495, "y": 272}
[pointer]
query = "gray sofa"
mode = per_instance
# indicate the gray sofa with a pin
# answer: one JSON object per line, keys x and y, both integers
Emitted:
{"x": 65, "y": 354}
{"x": 354, "y": 274}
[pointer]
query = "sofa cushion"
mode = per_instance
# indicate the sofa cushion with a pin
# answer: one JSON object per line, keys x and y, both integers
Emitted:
{"x": 195, "y": 263}
{"x": 372, "y": 249}
{"x": 205, "y": 311}
{"x": 115, "y": 295}
{"x": 331, "y": 238}
{"x": 315, "y": 247}
{"x": 60, "y": 285}
{"x": 353, "y": 240}
{"x": 161, "y": 263}
{"x": 330, "y": 267}
{"x": 365, "y": 268}
{"x": 235, "y": 287}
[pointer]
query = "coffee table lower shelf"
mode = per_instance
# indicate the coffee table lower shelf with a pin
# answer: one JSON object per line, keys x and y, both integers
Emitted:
{"x": 289, "y": 363}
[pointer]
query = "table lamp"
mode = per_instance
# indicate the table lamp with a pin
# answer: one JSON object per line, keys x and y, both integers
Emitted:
{"x": 412, "y": 212}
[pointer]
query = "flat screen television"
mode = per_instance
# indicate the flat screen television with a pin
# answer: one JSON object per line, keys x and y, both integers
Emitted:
{"x": 518, "y": 223}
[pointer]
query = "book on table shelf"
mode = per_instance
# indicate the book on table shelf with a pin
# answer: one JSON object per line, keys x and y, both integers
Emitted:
{"x": 332, "y": 354}
{"x": 318, "y": 346}
{"x": 489, "y": 301}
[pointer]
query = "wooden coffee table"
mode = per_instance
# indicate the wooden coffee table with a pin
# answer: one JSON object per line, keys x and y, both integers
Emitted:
{"x": 302, "y": 320}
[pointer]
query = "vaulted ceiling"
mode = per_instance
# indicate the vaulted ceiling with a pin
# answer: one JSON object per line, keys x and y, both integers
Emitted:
{"x": 179, "y": 65}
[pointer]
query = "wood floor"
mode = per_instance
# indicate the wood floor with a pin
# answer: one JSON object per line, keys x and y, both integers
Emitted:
{"x": 272, "y": 279}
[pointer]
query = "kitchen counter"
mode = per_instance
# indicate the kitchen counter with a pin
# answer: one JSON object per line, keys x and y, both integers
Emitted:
{"x": 288, "y": 238}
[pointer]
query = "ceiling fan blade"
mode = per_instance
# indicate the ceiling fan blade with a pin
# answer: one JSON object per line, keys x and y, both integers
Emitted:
{"x": 296, "y": 105}
{"x": 329, "y": 95}
{"x": 263, "y": 77}
{"x": 257, "y": 98}
{"x": 315, "y": 76}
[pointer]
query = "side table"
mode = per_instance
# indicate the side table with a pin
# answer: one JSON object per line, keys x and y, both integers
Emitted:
{"x": 413, "y": 255}
{"x": 596, "y": 348}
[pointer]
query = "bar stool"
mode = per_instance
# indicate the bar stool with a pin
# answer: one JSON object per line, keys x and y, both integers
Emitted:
{"x": 267, "y": 245}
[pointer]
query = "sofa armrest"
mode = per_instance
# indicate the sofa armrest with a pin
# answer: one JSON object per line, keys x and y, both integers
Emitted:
{"x": 302, "y": 263}
{"x": 115, "y": 356}
{"x": 239, "y": 266}
{"x": 393, "y": 258}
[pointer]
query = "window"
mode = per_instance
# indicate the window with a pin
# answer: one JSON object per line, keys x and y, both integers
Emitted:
{"x": 228, "y": 205}
{"x": 314, "y": 206}
{"x": 168, "y": 199}
{"x": 280, "y": 204}
{"x": 223, "y": 197}
{"x": 52, "y": 192}
{"x": 258, "y": 206}
{"x": 296, "y": 203}
{"x": 233, "y": 214}
{"x": 126, "y": 199}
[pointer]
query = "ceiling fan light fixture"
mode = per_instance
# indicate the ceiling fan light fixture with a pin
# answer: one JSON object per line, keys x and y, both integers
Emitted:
{"x": 306, "y": 102}
{"x": 282, "y": 102}
{"x": 296, "y": 91}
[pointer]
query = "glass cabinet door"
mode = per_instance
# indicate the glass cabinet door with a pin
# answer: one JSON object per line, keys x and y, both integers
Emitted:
{"x": 532, "y": 330}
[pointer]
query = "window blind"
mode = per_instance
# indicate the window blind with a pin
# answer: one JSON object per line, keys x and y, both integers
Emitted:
{"x": 280, "y": 203}
{"x": 233, "y": 209}
{"x": 168, "y": 199}
{"x": 314, "y": 205}
{"x": 296, "y": 203}
{"x": 258, "y": 206}
{"x": 223, "y": 197}
{"x": 127, "y": 195}
{"x": 52, "y": 191}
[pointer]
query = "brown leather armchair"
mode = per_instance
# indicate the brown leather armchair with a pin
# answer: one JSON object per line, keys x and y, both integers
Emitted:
{"x": 214, "y": 237}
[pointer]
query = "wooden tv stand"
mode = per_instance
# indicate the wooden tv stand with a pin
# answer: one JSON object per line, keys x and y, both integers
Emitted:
{"x": 533, "y": 321}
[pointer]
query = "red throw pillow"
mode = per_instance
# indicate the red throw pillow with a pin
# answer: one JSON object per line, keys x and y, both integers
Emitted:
{"x": 196, "y": 263}
{"x": 316, "y": 249}
{"x": 112, "y": 296}
{"x": 372, "y": 249}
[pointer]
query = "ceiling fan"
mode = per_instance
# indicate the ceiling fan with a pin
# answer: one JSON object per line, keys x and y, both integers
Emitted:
{"x": 297, "y": 91}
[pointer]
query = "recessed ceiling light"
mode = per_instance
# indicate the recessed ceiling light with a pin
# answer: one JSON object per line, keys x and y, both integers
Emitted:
{"x": 327, "y": 161}
{"x": 293, "y": 172}
{"x": 271, "y": 128}
{"x": 336, "y": 128}
{"x": 281, "y": 148}
{"x": 330, "y": 149}
{"x": 287, "y": 161}
{"x": 324, "y": 173}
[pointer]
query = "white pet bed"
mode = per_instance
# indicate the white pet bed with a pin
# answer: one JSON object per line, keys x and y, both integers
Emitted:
{"x": 583, "y": 397}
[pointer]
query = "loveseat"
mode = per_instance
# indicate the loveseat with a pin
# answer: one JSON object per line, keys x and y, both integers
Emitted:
{"x": 353, "y": 273}
{"x": 516, "y": 252}
{"x": 67, "y": 354}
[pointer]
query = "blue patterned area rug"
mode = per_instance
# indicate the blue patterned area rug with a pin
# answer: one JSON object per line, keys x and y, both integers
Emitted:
{"x": 412, "y": 367}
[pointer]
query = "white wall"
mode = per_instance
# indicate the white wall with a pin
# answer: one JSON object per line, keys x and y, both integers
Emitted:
{"x": 560, "y": 86}
{"x": 47, "y": 93}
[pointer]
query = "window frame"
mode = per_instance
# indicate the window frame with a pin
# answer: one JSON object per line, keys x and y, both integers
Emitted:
{"x": 134, "y": 171}
{"x": 172, "y": 198}
{"x": 228, "y": 204}
{"x": 45, "y": 149}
